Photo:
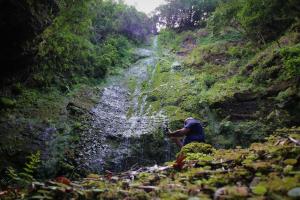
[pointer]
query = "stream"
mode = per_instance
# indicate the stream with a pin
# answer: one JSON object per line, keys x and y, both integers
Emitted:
{"x": 121, "y": 128}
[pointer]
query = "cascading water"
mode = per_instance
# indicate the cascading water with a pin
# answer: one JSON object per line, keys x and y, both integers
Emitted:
{"x": 113, "y": 135}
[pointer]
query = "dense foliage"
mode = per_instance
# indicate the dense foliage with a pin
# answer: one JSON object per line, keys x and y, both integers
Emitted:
{"x": 182, "y": 14}
{"x": 21, "y": 23}
{"x": 232, "y": 64}
{"x": 233, "y": 80}
{"x": 260, "y": 20}
{"x": 77, "y": 44}
{"x": 88, "y": 39}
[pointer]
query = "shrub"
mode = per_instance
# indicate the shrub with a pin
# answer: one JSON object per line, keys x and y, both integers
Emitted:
{"x": 26, "y": 176}
{"x": 291, "y": 60}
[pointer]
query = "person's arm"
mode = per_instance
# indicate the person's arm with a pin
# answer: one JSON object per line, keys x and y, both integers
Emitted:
{"x": 179, "y": 133}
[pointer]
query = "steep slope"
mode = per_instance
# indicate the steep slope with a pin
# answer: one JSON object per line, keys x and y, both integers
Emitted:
{"x": 121, "y": 133}
{"x": 241, "y": 93}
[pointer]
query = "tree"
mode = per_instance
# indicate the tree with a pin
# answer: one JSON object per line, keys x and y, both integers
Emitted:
{"x": 185, "y": 14}
{"x": 260, "y": 20}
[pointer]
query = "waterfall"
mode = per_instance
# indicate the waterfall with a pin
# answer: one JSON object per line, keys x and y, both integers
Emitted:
{"x": 115, "y": 134}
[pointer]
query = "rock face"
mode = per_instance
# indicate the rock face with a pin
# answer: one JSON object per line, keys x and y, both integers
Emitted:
{"x": 21, "y": 22}
{"x": 120, "y": 124}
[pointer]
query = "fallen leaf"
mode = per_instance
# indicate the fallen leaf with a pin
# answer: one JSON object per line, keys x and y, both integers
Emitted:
{"x": 179, "y": 162}
{"x": 3, "y": 192}
{"x": 63, "y": 180}
{"x": 108, "y": 175}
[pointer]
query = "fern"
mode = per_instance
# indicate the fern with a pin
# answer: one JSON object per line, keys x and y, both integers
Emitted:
{"x": 25, "y": 177}
{"x": 33, "y": 163}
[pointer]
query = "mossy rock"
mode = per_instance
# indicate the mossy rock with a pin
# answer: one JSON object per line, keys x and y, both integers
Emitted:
{"x": 283, "y": 185}
{"x": 197, "y": 147}
{"x": 260, "y": 166}
{"x": 290, "y": 161}
{"x": 6, "y": 102}
{"x": 152, "y": 98}
{"x": 225, "y": 155}
{"x": 203, "y": 159}
{"x": 294, "y": 193}
{"x": 232, "y": 192}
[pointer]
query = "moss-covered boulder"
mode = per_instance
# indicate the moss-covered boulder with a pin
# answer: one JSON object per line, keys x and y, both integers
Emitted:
{"x": 7, "y": 103}
{"x": 197, "y": 147}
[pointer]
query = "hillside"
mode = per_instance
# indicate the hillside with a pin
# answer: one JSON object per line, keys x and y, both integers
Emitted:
{"x": 91, "y": 88}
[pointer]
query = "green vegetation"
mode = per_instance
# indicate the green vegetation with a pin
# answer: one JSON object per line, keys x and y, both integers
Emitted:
{"x": 265, "y": 170}
{"x": 261, "y": 21}
{"x": 185, "y": 14}
{"x": 232, "y": 64}
{"x": 25, "y": 178}
{"x": 228, "y": 82}
{"x": 83, "y": 42}
{"x": 87, "y": 40}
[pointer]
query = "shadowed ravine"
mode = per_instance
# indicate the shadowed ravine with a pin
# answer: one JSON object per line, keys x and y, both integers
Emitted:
{"x": 120, "y": 122}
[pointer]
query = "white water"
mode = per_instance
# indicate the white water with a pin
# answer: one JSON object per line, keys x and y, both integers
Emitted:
{"x": 112, "y": 128}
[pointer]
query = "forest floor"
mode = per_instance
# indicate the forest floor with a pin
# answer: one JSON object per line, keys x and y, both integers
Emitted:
{"x": 268, "y": 170}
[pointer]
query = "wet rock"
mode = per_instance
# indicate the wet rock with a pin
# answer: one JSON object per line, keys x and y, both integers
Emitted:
{"x": 74, "y": 109}
{"x": 246, "y": 96}
{"x": 142, "y": 53}
{"x": 294, "y": 193}
{"x": 233, "y": 192}
{"x": 176, "y": 66}
{"x": 120, "y": 124}
{"x": 275, "y": 89}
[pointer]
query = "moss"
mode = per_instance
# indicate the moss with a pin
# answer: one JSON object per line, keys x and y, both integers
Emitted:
{"x": 6, "y": 102}
{"x": 139, "y": 195}
{"x": 291, "y": 60}
{"x": 259, "y": 189}
{"x": 174, "y": 195}
{"x": 228, "y": 178}
{"x": 282, "y": 185}
{"x": 202, "y": 159}
{"x": 234, "y": 155}
{"x": 290, "y": 161}
{"x": 196, "y": 147}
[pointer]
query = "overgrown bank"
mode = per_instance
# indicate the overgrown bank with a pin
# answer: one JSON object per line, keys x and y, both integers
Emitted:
{"x": 239, "y": 76}
{"x": 65, "y": 54}
{"x": 242, "y": 92}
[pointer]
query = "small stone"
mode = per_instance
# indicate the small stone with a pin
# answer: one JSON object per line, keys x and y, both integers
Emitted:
{"x": 294, "y": 193}
{"x": 148, "y": 188}
{"x": 176, "y": 66}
